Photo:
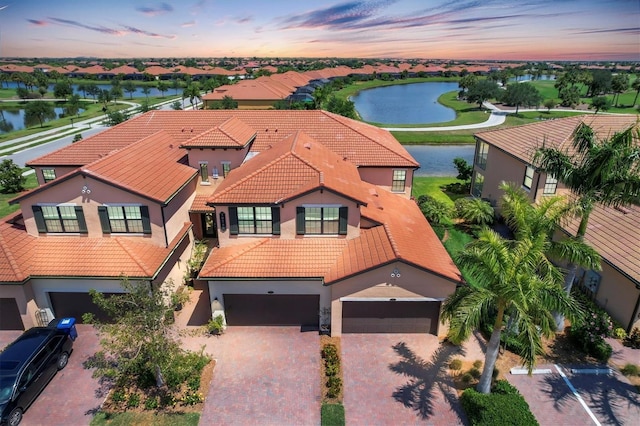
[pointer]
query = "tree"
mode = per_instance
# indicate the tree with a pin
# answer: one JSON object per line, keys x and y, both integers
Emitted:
{"x": 619, "y": 84}
{"x": 176, "y": 105}
{"x": 130, "y": 87}
{"x": 11, "y": 179}
{"x": 116, "y": 117}
{"x": 62, "y": 90}
{"x": 514, "y": 283}
{"x": 474, "y": 211}
{"x": 343, "y": 107}
{"x": 40, "y": 111}
{"x": 138, "y": 341}
{"x": 636, "y": 86}
{"x": 435, "y": 211}
{"x": 162, "y": 87}
{"x": 228, "y": 103}
{"x": 192, "y": 91}
{"x": 73, "y": 105}
{"x": 521, "y": 94}
{"x": 146, "y": 90}
{"x": 600, "y": 103}
{"x": 104, "y": 96}
{"x": 600, "y": 82}
{"x": 605, "y": 172}
{"x": 465, "y": 170}
{"x": 569, "y": 96}
{"x": 77, "y": 138}
{"x": 482, "y": 91}
{"x": 93, "y": 90}
{"x": 549, "y": 103}
{"x": 467, "y": 81}
{"x": 115, "y": 92}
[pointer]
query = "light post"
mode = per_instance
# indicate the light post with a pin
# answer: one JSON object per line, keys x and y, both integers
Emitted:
{"x": 71, "y": 118}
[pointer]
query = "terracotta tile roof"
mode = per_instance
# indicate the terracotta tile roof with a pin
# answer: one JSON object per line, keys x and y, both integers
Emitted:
{"x": 614, "y": 232}
{"x": 294, "y": 166}
{"x": 23, "y": 256}
{"x": 523, "y": 141}
{"x": 232, "y": 133}
{"x": 362, "y": 144}
{"x": 249, "y": 90}
{"x": 125, "y": 69}
{"x": 148, "y": 167}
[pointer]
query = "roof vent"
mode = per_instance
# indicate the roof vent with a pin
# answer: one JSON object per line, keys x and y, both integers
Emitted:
{"x": 182, "y": 130}
{"x": 170, "y": 146}
{"x": 192, "y": 130}
{"x": 622, "y": 209}
{"x": 307, "y": 145}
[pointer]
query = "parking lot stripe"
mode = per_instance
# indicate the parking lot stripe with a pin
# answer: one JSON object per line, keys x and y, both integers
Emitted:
{"x": 577, "y": 395}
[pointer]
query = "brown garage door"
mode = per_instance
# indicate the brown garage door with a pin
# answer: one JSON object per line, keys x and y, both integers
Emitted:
{"x": 272, "y": 309}
{"x": 75, "y": 305}
{"x": 390, "y": 317}
{"x": 10, "y": 318}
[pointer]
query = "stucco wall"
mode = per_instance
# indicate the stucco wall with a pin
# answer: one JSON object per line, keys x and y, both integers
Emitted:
{"x": 383, "y": 177}
{"x": 618, "y": 296}
{"x": 59, "y": 170}
{"x": 176, "y": 213}
{"x": 215, "y": 157}
{"x": 25, "y": 299}
{"x": 42, "y": 286}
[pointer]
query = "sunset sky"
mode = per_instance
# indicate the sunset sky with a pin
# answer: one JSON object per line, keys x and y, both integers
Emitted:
{"x": 431, "y": 29}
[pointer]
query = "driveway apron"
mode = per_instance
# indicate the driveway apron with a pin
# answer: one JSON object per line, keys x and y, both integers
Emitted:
{"x": 264, "y": 376}
{"x": 399, "y": 379}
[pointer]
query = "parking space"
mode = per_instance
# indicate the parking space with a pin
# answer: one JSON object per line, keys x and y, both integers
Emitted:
{"x": 401, "y": 379}
{"x": 264, "y": 375}
{"x": 73, "y": 395}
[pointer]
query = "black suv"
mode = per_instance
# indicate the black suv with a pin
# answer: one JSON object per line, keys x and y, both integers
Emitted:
{"x": 29, "y": 363}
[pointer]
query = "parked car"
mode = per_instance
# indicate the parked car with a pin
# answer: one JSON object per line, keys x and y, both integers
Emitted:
{"x": 29, "y": 363}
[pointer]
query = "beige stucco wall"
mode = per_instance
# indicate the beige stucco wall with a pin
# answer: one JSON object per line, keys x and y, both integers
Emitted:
{"x": 618, "y": 296}
{"x": 59, "y": 170}
{"x": 383, "y": 177}
{"x": 288, "y": 218}
{"x": 412, "y": 283}
{"x": 25, "y": 299}
{"x": 215, "y": 157}
{"x": 176, "y": 213}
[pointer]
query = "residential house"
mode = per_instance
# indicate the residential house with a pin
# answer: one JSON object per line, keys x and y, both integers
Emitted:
{"x": 308, "y": 214}
{"x": 507, "y": 155}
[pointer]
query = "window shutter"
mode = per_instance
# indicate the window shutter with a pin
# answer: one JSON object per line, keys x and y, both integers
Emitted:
{"x": 275, "y": 220}
{"x": 342, "y": 227}
{"x": 104, "y": 219}
{"x": 82, "y": 224}
{"x": 39, "y": 217}
{"x": 300, "y": 220}
{"x": 233, "y": 220}
{"x": 146, "y": 222}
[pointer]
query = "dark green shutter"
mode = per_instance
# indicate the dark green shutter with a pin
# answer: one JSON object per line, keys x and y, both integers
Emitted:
{"x": 39, "y": 217}
{"x": 82, "y": 224}
{"x": 275, "y": 220}
{"x": 146, "y": 222}
{"x": 342, "y": 227}
{"x": 300, "y": 220}
{"x": 233, "y": 220}
{"x": 104, "y": 219}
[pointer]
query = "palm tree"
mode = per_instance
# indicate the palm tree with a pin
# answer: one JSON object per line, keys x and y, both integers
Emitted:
{"x": 514, "y": 280}
{"x": 636, "y": 86}
{"x": 605, "y": 172}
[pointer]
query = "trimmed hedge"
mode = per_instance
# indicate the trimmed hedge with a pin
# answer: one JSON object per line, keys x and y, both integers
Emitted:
{"x": 504, "y": 406}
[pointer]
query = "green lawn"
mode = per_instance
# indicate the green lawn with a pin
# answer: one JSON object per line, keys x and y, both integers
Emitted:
{"x": 146, "y": 418}
{"x": 5, "y": 208}
{"x": 434, "y": 186}
{"x": 332, "y": 415}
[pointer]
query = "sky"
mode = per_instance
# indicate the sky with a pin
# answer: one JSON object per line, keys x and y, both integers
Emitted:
{"x": 572, "y": 30}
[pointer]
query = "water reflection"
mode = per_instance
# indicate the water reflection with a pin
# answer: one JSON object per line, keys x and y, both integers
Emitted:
{"x": 437, "y": 160}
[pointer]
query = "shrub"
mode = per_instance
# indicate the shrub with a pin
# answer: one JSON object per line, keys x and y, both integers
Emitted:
{"x": 134, "y": 400}
{"x": 467, "y": 378}
{"x": 505, "y": 406}
{"x": 474, "y": 211}
{"x": 475, "y": 373}
{"x": 334, "y": 386}
{"x": 589, "y": 334}
{"x": 455, "y": 364}
{"x": 631, "y": 370}
{"x": 434, "y": 210}
{"x": 619, "y": 333}
{"x": 633, "y": 339}
{"x": 151, "y": 403}
{"x": 477, "y": 364}
{"x": 330, "y": 353}
{"x": 216, "y": 325}
{"x": 118, "y": 395}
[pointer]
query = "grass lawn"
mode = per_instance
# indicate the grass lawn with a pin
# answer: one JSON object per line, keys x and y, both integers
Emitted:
{"x": 434, "y": 186}
{"x": 332, "y": 415}
{"x": 5, "y": 208}
{"x": 131, "y": 418}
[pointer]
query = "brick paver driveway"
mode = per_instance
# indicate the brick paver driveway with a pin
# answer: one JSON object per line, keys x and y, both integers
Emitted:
{"x": 73, "y": 396}
{"x": 264, "y": 376}
{"x": 400, "y": 379}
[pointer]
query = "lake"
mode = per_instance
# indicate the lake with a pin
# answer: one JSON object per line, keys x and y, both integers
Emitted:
{"x": 437, "y": 160}
{"x": 13, "y": 119}
{"x": 415, "y": 103}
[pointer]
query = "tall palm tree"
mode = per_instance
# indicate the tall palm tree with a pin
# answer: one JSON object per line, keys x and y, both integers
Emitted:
{"x": 605, "y": 172}
{"x": 513, "y": 279}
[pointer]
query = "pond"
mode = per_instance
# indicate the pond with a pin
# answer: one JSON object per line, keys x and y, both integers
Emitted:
{"x": 415, "y": 103}
{"x": 437, "y": 160}
{"x": 137, "y": 94}
{"x": 12, "y": 119}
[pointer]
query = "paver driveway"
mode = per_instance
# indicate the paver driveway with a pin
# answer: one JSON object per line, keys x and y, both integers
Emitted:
{"x": 73, "y": 396}
{"x": 400, "y": 379}
{"x": 264, "y": 376}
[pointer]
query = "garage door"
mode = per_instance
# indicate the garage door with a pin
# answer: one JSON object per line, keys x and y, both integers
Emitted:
{"x": 10, "y": 318}
{"x": 272, "y": 309}
{"x": 390, "y": 317}
{"x": 75, "y": 305}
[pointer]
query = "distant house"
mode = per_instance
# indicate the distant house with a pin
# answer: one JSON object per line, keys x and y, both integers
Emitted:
{"x": 506, "y": 155}
{"x": 308, "y": 216}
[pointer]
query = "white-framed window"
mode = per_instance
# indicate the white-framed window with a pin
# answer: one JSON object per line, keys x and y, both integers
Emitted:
{"x": 528, "y": 177}
{"x": 399, "y": 180}
{"x": 226, "y": 168}
{"x": 482, "y": 151}
{"x": 478, "y": 183}
{"x": 321, "y": 220}
{"x": 204, "y": 172}
{"x": 62, "y": 218}
{"x": 125, "y": 219}
{"x": 48, "y": 175}
{"x": 254, "y": 220}
{"x": 550, "y": 185}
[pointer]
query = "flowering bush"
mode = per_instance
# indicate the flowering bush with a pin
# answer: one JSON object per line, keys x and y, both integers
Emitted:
{"x": 590, "y": 332}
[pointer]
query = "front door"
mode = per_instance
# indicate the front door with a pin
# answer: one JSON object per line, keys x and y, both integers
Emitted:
{"x": 209, "y": 225}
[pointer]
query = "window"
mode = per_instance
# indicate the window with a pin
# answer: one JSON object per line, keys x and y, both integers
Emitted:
{"x": 321, "y": 220}
{"x": 60, "y": 219}
{"x": 129, "y": 219}
{"x": 482, "y": 151}
{"x": 48, "y": 175}
{"x": 226, "y": 168}
{"x": 550, "y": 185}
{"x": 204, "y": 172}
{"x": 254, "y": 220}
{"x": 399, "y": 180}
{"x": 528, "y": 177}
{"x": 478, "y": 183}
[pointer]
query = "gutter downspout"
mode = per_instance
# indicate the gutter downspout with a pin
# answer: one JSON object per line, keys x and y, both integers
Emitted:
{"x": 164, "y": 227}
